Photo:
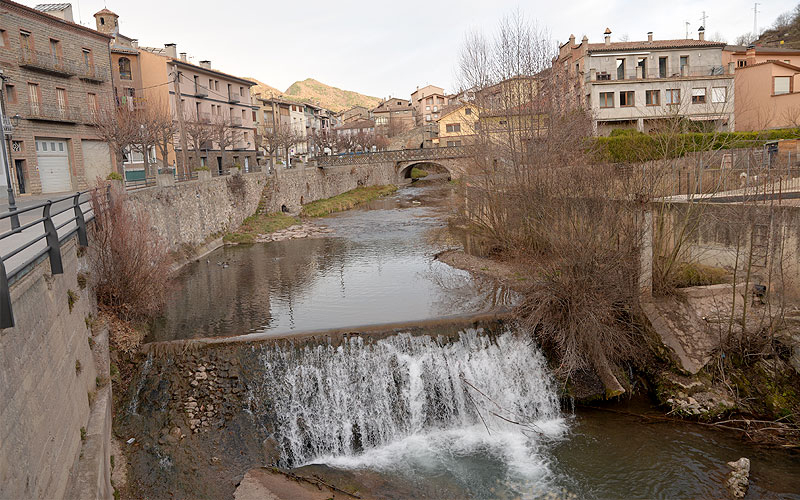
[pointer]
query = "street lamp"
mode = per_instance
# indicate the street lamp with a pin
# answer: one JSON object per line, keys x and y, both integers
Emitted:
{"x": 7, "y": 127}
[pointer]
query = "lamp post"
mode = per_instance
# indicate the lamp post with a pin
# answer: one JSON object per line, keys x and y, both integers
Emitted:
{"x": 12, "y": 206}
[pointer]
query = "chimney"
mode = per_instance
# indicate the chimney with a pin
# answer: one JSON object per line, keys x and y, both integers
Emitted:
{"x": 135, "y": 43}
{"x": 701, "y": 34}
{"x": 750, "y": 55}
{"x": 585, "y": 40}
{"x": 650, "y": 37}
{"x": 571, "y": 41}
{"x": 206, "y": 64}
{"x": 607, "y": 33}
{"x": 183, "y": 57}
{"x": 171, "y": 50}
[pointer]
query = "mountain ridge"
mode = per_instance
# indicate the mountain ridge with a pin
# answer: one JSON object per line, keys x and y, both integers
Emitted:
{"x": 312, "y": 91}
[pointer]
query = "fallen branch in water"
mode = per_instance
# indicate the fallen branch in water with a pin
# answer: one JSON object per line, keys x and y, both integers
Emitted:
{"x": 315, "y": 480}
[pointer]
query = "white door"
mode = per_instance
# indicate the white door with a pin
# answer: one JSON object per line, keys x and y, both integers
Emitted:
{"x": 53, "y": 158}
{"x": 96, "y": 160}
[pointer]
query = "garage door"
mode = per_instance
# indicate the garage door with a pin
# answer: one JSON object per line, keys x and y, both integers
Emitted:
{"x": 53, "y": 158}
{"x": 96, "y": 160}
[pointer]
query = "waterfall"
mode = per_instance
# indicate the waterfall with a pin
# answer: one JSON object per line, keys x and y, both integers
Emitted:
{"x": 339, "y": 404}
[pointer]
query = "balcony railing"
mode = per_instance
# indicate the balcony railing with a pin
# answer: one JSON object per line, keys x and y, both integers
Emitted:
{"x": 233, "y": 98}
{"x": 52, "y": 113}
{"x": 236, "y": 121}
{"x": 200, "y": 91}
{"x": 639, "y": 73}
{"x": 45, "y": 62}
{"x": 92, "y": 73}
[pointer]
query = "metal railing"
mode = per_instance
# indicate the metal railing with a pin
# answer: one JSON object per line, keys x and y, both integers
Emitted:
{"x": 49, "y": 112}
{"x": 37, "y": 237}
{"x": 440, "y": 153}
{"x": 92, "y": 73}
{"x": 45, "y": 61}
{"x": 636, "y": 73}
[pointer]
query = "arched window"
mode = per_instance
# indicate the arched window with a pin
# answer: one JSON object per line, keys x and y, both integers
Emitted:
{"x": 124, "y": 68}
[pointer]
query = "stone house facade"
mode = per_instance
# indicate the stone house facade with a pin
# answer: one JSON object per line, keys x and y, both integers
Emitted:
{"x": 643, "y": 84}
{"x": 428, "y": 102}
{"x": 56, "y": 75}
{"x": 393, "y": 116}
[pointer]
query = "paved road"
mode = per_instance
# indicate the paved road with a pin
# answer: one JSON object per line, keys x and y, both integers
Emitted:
{"x": 14, "y": 241}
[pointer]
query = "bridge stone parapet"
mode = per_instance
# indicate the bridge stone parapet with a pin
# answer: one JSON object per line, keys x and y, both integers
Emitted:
{"x": 451, "y": 158}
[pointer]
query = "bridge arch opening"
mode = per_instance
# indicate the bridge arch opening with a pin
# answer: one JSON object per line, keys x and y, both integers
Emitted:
{"x": 434, "y": 170}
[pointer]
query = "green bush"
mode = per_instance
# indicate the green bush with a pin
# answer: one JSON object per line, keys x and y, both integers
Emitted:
{"x": 624, "y": 146}
{"x": 114, "y": 176}
{"x": 202, "y": 169}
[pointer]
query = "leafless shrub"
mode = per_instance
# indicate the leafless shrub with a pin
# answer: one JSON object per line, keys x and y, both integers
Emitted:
{"x": 129, "y": 262}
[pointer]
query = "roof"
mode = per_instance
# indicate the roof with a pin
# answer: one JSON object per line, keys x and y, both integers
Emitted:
{"x": 53, "y": 18}
{"x": 762, "y": 50}
{"x": 655, "y": 44}
{"x": 390, "y": 105}
{"x": 778, "y": 63}
{"x": 104, "y": 11}
{"x": 121, "y": 49}
{"x": 51, "y": 7}
{"x": 180, "y": 62}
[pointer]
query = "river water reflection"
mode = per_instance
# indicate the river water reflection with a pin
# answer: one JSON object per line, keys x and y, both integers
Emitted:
{"x": 376, "y": 268}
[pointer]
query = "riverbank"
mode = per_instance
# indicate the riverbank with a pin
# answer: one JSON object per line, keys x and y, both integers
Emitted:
{"x": 761, "y": 401}
{"x": 346, "y": 200}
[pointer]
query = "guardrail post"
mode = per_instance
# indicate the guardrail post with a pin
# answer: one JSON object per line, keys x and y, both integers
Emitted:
{"x": 6, "y": 314}
{"x": 54, "y": 247}
{"x": 80, "y": 221}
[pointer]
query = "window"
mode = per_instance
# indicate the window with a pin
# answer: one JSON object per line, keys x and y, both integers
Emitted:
{"x": 684, "y": 63}
{"x": 244, "y": 115}
{"x": 55, "y": 49}
{"x": 427, "y": 108}
{"x": 25, "y": 43}
{"x": 620, "y": 69}
{"x": 427, "y": 118}
{"x": 61, "y": 96}
{"x": 11, "y": 94}
{"x": 741, "y": 63}
{"x": 627, "y": 99}
{"x": 91, "y": 102}
{"x": 641, "y": 63}
{"x": 216, "y": 84}
{"x": 652, "y": 97}
{"x": 451, "y": 144}
{"x": 33, "y": 97}
{"x": 453, "y": 127}
{"x": 210, "y": 83}
{"x": 698, "y": 96}
{"x": 606, "y": 99}
{"x": 719, "y": 94}
{"x": 782, "y": 85}
{"x": 662, "y": 67}
{"x": 503, "y": 122}
{"x": 468, "y": 111}
{"x": 124, "y": 68}
{"x": 87, "y": 58}
{"x": 3, "y": 38}
{"x": 241, "y": 91}
{"x": 673, "y": 96}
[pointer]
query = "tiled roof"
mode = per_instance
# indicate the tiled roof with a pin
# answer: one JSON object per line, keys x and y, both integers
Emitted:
{"x": 105, "y": 11}
{"x": 391, "y": 105}
{"x": 655, "y": 44}
{"x": 50, "y": 7}
{"x": 778, "y": 63}
{"x": 357, "y": 124}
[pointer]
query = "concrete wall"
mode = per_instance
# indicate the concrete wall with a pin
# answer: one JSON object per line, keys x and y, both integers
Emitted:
{"x": 46, "y": 373}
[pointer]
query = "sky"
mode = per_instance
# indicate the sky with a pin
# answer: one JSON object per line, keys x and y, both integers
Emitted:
{"x": 387, "y": 48}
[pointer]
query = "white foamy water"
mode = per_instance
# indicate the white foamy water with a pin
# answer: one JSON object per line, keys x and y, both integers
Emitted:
{"x": 414, "y": 404}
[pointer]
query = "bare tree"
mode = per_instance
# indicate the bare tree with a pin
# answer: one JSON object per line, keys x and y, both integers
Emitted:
{"x": 163, "y": 128}
{"x": 200, "y": 135}
{"x": 279, "y": 139}
{"x": 225, "y": 134}
{"x": 325, "y": 138}
{"x": 119, "y": 127}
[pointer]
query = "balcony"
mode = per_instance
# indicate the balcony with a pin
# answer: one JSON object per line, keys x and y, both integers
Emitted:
{"x": 91, "y": 73}
{"x": 51, "y": 113}
{"x": 236, "y": 121}
{"x": 45, "y": 63}
{"x": 233, "y": 98}
{"x": 200, "y": 91}
{"x": 639, "y": 73}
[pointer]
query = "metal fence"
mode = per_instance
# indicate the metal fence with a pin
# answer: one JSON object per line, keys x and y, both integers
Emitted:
{"x": 33, "y": 237}
{"x": 135, "y": 184}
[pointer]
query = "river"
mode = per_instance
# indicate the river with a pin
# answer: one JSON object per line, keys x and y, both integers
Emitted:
{"x": 474, "y": 414}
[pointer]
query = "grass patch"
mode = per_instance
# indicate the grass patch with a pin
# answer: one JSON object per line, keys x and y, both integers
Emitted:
{"x": 346, "y": 201}
{"x": 418, "y": 173}
{"x": 258, "y": 224}
{"x": 699, "y": 275}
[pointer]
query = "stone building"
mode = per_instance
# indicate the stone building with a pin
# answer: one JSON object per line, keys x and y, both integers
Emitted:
{"x": 428, "y": 102}
{"x": 393, "y": 116}
{"x": 640, "y": 84}
{"x": 356, "y": 113}
{"x": 56, "y": 76}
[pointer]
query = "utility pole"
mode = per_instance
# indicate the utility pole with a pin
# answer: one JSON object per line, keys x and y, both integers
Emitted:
{"x": 274, "y": 132}
{"x": 755, "y": 20}
{"x": 179, "y": 110}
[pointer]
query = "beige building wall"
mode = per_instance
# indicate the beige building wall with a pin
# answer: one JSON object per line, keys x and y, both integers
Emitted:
{"x": 759, "y": 108}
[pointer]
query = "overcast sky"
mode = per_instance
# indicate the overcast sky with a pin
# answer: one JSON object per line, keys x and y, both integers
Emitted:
{"x": 383, "y": 48}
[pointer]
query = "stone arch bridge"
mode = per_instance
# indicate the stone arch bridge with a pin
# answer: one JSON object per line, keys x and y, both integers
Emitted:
{"x": 401, "y": 161}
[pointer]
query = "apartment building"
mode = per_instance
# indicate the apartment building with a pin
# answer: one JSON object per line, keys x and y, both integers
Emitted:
{"x": 205, "y": 96}
{"x": 393, "y": 116}
{"x": 743, "y": 56}
{"x": 56, "y": 75}
{"x": 458, "y": 125}
{"x": 356, "y": 113}
{"x": 297, "y": 118}
{"x": 271, "y": 113}
{"x": 428, "y": 102}
{"x": 126, "y": 70}
{"x": 643, "y": 84}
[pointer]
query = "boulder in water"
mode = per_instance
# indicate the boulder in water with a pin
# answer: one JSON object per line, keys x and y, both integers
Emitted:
{"x": 739, "y": 478}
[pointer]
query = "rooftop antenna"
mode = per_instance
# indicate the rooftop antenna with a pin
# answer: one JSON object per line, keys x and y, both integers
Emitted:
{"x": 755, "y": 20}
{"x": 703, "y": 19}
{"x": 687, "y": 29}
